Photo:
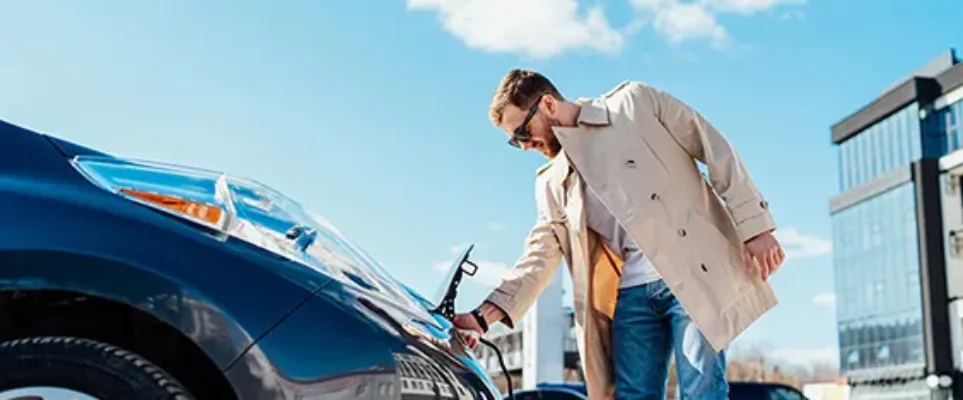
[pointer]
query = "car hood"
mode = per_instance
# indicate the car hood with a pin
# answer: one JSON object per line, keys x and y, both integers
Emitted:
{"x": 257, "y": 214}
{"x": 333, "y": 256}
{"x": 245, "y": 212}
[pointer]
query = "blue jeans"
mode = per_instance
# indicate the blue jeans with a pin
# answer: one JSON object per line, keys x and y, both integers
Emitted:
{"x": 650, "y": 326}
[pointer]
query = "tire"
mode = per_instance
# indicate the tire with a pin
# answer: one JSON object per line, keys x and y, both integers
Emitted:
{"x": 93, "y": 368}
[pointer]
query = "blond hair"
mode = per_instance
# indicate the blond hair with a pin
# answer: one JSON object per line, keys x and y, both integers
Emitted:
{"x": 520, "y": 88}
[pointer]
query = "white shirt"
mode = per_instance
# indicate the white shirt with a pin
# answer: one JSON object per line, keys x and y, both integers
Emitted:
{"x": 636, "y": 267}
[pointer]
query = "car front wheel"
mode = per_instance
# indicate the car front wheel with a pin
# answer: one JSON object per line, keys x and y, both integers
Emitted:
{"x": 40, "y": 368}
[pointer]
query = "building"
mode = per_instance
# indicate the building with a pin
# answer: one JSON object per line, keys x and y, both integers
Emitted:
{"x": 890, "y": 245}
{"x": 951, "y": 168}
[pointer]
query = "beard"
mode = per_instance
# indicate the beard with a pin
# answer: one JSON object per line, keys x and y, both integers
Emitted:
{"x": 554, "y": 146}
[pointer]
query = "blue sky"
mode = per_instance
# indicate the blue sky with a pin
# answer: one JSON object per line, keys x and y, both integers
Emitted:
{"x": 375, "y": 112}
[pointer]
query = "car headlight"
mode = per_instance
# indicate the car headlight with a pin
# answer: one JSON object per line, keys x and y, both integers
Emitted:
{"x": 197, "y": 195}
{"x": 229, "y": 206}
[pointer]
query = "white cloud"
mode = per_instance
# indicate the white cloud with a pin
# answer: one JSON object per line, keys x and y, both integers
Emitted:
{"x": 792, "y": 14}
{"x": 825, "y": 299}
{"x": 806, "y": 357}
{"x": 798, "y": 245}
{"x": 651, "y": 4}
{"x": 458, "y": 248}
{"x": 495, "y": 226}
{"x": 538, "y": 28}
{"x": 545, "y": 28}
{"x": 747, "y": 6}
{"x": 489, "y": 273}
{"x": 679, "y": 21}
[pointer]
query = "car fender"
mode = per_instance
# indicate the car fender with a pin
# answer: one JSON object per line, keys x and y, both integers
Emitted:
{"x": 222, "y": 293}
{"x": 204, "y": 320}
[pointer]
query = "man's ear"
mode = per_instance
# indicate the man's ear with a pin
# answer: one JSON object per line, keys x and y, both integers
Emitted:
{"x": 549, "y": 105}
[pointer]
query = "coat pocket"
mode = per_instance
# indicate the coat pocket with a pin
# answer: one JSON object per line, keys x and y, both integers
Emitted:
{"x": 715, "y": 262}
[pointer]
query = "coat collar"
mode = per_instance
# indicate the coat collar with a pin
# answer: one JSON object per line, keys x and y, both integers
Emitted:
{"x": 593, "y": 112}
{"x": 558, "y": 169}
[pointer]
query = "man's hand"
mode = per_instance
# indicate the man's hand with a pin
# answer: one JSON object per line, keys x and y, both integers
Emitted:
{"x": 763, "y": 250}
{"x": 467, "y": 322}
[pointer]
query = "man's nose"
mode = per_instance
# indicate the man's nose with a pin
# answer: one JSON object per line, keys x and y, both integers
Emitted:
{"x": 527, "y": 145}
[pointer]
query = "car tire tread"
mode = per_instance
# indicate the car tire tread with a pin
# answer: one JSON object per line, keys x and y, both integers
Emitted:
{"x": 106, "y": 368}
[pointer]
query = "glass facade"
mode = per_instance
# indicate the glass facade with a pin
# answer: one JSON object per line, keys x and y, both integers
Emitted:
{"x": 877, "y": 281}
{"x": 876, "y": 249}
{"x": 890, "y": 143}
{"x": 943, "y": 128}
{"x": 876, "y": 245}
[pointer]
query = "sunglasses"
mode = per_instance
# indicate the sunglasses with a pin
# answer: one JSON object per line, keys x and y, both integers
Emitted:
{"x": 521, "y": 134}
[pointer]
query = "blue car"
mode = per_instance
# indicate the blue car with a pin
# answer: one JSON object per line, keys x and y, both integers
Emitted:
{"x": 737, "y": 391}
{"x": 127, "y": 280}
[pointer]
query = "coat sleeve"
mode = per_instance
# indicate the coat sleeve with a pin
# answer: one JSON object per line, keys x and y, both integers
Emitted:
{"x": 727, "y": 173}
{"x": 532, "y": 272}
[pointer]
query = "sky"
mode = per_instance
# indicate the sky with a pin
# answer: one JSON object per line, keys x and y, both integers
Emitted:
{"x": 374, "y": 113}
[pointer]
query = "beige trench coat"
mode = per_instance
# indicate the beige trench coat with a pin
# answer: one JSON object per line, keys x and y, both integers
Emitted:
{"x": 636, "y": 146}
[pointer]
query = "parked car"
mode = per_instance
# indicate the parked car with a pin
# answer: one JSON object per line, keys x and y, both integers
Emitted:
{"x": 125, "y": 279}
{"x": 550, "y": 393}
{"x": 737, "y": 391}
{"x": 763, "y": 391}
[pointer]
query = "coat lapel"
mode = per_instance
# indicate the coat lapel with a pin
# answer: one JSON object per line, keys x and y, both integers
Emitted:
{"x": 577, "y": 146}
{"x": 584, "y": 147}
{"x": 566, "y": 186}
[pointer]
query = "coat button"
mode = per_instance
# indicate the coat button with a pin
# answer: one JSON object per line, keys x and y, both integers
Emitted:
{"x": 704, "y": 269}
{"x": 654, "y": 196}
{"x": 764, "y": 204}
{"x": 682, "y": 232}
{"x": 630, "y": 163}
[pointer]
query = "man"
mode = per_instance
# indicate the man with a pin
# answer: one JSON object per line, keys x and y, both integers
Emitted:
{"x": 662, "y": 261}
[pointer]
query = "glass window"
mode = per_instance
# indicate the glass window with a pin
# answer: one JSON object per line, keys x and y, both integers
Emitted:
{"x": 902, "y": 144}
{"x": 858, "y": 167}
{"x": 913, "y": 127}
{"x": 890, "y": 156}
{"x": 910, "y": 138}
{"x": 954, "y": 127}
{"x": 841, "y": 170}
{"x": 873, "y": 154}
{"x": 942, "y": 130}
{"x": 877, "y": 281}
{"x": 893, "y": 142}
{"x": 852, "y": 162}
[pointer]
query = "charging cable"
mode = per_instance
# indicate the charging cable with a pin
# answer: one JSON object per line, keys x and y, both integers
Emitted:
{"x": 501, "y": 361}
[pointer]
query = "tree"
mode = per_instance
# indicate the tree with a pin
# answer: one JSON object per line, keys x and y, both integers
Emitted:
{"x": 753, "y": 363}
